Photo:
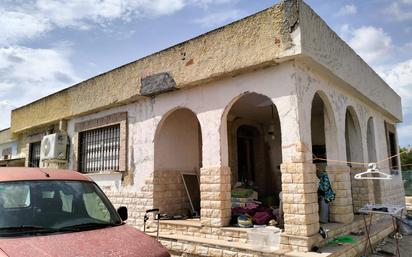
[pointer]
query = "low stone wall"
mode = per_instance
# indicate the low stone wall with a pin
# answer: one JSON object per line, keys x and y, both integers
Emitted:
{"x": 137, "y": 202}
{"x": 226, "y": 233}
{"x": 169, "y": 193}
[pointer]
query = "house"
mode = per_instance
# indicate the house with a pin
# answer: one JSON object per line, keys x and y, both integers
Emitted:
{"x": 8, "y": 149}
{"x": 264, "y": 99}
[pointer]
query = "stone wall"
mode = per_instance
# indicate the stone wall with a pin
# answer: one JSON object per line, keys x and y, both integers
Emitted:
{"x": 169, "y": 193}
{"x": 137, "y": 202}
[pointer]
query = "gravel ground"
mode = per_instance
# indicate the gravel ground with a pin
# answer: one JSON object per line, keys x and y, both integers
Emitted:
{"x": 388, "y": 247}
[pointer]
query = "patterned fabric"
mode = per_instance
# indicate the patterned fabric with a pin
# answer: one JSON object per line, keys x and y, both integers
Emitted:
{"x": 325, "y": 188}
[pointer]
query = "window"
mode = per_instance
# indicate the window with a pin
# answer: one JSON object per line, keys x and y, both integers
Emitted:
{"x": 99, "y": 149}
{"x": 34, "y": 154}
{"x": 392, "y": 146}
{"x": 6, "y": 153}
{"x": 14, "y": 196}
{"x": 53, "y": 204}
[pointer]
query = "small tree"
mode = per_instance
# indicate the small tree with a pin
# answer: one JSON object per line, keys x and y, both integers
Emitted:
{"x": 406, "y": 165}
{"x": 406, "y": 159}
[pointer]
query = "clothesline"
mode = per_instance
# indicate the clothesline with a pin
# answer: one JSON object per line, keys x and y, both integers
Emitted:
{"x": 315, "y": 158}
{"x": 361, "y": 163}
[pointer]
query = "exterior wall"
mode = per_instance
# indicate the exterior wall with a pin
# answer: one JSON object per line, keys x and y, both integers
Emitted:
{"x": 311, "y": 80}
{"x": 145, "y": 116}
{"x": 31, "y": 136}
{"x": 8, "y": 145}
{"x": 291, "y": 87}
{"x": 325, "y": 48}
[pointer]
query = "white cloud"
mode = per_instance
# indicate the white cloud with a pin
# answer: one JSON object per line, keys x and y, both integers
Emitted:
{"x": 28, "y": 74}
{"x": 404, "y": 134}
{"x": 373, "y": 44}
{"x": 31, "y": 18}
{"x": 19, "y": 26}
{"x": 399, "y": 11}
{"x": 77, "y": 13}
{"x": 399, "y": 77}
{"x": 219, "y": 18}
{"x": 348, "y": 9}
{"x": 5, "y": 111}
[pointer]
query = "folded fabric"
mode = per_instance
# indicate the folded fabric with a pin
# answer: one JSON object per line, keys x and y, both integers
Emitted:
{"x": 251, "y": 206}
{"x": 261, "y": 218}
{"x": 242, "y": 200}
{"x": 242, "y": 192}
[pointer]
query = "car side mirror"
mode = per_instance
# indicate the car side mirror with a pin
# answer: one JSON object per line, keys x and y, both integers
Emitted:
{"x": 122, "y": 211}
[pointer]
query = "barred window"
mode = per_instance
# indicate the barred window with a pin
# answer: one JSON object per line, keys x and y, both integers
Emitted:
{"x": 34, "y": 154}
{"x": 99, "y": 149}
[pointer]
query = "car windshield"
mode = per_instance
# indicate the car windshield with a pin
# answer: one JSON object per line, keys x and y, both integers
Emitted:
{"x": 53, "y": 206}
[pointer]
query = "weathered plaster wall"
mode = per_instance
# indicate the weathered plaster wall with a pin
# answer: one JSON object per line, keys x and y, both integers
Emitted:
{"x": 5, "y": 136}
{"x": 311, "y": 80}
{"x": 178, "y": 142}
{"x": 145, "y": 116}
{"x": 324, "y": 46}
{"x": 243, "y": 45}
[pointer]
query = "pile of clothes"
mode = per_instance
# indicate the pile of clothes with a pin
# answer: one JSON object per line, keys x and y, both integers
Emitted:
{"x": 247, "y": 211}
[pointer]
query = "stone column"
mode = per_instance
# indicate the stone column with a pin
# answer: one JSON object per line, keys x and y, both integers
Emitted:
{"x": 215, "y": 196}
{"x": 340, "y": 210}
{"x": 362, "y": 190}
{"x": 300, "y": 205}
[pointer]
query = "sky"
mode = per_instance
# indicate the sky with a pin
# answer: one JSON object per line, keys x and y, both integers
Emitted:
{"x": 48, "y": 45}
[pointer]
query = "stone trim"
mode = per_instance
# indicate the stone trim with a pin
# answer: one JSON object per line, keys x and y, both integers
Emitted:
{"x": 109, "y": 120}
{"x": 300, "y": 199}
{"x": 215, "y": 204}
{"x": 35, "y": 138}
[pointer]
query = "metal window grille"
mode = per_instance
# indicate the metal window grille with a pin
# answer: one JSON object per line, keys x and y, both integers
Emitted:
{"x": 34, "y": 156}
{"x": 99, "y": 149}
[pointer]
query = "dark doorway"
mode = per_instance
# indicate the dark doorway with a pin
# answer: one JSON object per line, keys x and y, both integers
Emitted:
{"x": 246, "y": 143}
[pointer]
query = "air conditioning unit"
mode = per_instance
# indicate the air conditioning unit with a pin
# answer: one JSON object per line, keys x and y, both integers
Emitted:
{"x": 53, "y": 146}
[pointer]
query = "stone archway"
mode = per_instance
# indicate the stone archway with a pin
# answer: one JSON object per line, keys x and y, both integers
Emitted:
{"x": 177, "y": 151}
{"x": 323, "y": 138}
{"x": 372, "y": 157}
{"x": 354, "y": 153}
{"x": 254, "y": 146}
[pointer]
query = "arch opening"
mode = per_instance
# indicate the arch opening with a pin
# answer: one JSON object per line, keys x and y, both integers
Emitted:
{"x": 354, "y": 153}
{"x": 177, "y": 152}
{"x": 321, "y": 123}
{"x": 254, "y": 146}
{"x": 370, "y": 141}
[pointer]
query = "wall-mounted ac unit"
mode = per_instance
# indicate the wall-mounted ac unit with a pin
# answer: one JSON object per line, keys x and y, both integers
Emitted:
{"x": 53, "y": 146}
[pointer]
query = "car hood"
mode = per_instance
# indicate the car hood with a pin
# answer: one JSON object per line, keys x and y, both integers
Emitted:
{"x": 119, "y": 241}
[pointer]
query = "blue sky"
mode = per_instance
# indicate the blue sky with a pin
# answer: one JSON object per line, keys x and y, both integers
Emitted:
{"x": 47, "y": 45}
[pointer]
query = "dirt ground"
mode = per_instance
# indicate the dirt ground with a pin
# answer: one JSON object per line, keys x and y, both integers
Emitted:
{"x": 388, "y": 247}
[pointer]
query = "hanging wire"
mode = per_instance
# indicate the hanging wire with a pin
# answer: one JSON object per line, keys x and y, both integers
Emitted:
{"x": 315, "y": 158}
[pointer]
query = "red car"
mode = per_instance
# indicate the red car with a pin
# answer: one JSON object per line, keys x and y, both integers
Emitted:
{"x": 61, "y": 213}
